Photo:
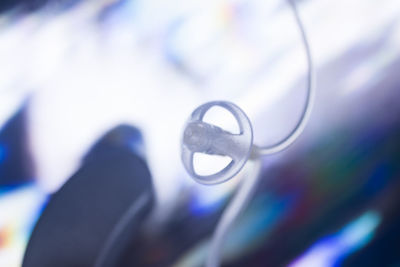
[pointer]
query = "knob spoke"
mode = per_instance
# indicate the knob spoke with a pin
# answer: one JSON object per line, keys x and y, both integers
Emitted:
{"x": 202, "y": 137}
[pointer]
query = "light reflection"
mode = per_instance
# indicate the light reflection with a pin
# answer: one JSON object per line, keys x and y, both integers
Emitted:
{"x": 20, "y": 208}
{"x": 249, "y": 232}
{"x": 329, "y": 250}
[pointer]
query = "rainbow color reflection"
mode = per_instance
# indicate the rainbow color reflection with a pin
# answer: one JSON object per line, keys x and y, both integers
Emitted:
{"x": 330, "y": 250}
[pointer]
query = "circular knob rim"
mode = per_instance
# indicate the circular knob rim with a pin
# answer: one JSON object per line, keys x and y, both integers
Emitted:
{"x": 245, "y": 136}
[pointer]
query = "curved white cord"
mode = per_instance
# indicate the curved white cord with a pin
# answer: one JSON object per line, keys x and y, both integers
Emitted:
{"x": 298, "y": 129}
{"x": 230, "y": 214}
{"x": 246, "y": 190}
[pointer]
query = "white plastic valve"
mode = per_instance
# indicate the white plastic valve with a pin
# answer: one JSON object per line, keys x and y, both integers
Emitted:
{"x": 202, "y": 137}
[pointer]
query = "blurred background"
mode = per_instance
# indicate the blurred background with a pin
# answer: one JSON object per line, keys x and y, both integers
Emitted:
{"x": 128, "y": 73}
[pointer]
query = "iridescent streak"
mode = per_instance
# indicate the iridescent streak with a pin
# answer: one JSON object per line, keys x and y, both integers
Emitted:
{"x": 331, "y": 249}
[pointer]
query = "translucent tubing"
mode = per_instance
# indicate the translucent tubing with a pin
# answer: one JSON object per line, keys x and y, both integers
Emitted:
{"x": 246, "y": 190}
{"x": 299, "y": 128}
{"x": 238, "y": 203}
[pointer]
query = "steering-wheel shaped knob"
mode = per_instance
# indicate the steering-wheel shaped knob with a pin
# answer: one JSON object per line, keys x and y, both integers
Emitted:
{"x": 202, "y": 137}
